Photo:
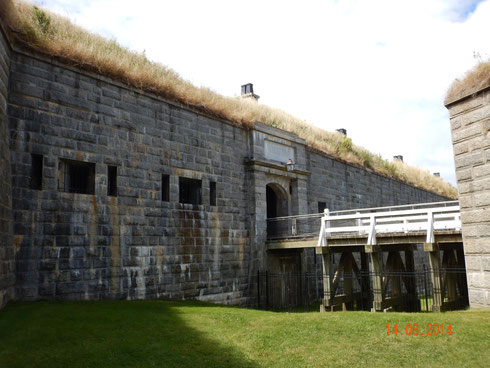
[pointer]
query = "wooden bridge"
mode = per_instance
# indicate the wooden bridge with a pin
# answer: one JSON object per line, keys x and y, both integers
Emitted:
{"x": 381, "y": 242}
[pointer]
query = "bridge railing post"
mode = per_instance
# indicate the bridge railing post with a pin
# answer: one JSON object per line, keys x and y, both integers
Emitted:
{"x": 322, "y": 240}
{"x": 372, "y": 231}
{"x": 430, "y": 227}
{"x": 294, "y": 229}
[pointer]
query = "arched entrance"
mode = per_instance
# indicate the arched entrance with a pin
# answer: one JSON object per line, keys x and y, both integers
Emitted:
{"x": 277, "y": 201}
{"x": 277, "y": 206}
{"x": 280, "y": 260}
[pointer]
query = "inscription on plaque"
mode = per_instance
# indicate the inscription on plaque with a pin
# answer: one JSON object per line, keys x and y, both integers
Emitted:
{"x": 278, "y": 152}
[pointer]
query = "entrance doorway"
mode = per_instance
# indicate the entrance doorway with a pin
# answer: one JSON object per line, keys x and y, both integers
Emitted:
{"x": 277, "y": 206}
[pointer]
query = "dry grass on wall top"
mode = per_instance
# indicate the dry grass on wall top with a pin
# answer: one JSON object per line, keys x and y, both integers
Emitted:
{"x": 57, "y": 37}
{"x": 473, "y": 81}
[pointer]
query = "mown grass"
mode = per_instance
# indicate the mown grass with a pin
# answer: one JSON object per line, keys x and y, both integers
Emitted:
{"x": 51, "y": 34}
{"x": 190, "y": 334}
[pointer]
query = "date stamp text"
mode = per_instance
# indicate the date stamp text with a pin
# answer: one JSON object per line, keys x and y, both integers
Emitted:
{"x": 413, "y": 329}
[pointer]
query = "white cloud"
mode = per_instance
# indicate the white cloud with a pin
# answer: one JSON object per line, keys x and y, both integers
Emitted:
{"x": 380, "y": 69}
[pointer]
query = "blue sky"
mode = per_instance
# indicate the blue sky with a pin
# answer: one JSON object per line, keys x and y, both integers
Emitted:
{"x": 378, "y": 68}
{"x": 463, "y": 9}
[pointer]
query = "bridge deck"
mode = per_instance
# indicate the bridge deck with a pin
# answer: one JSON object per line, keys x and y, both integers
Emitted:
{"x": 441, "y": 237}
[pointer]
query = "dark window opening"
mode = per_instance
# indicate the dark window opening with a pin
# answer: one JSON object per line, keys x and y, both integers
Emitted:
{"x": 322, "y": 206}
{"x": 112, "y": 181}
{"x": 165, "y": 188}
{"x": 190, "y": 191}
{"x": 212, "y": 193}
{"x": 36, "y": 171}
{"x": 77, "y": 176}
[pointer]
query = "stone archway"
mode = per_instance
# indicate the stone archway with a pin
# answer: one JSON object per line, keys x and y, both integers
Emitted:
{"x": 282, "y": 260}
{"x": 277, "y": 201}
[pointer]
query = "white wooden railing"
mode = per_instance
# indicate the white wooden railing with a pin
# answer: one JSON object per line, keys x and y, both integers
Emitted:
{"x": 428, "y": 219}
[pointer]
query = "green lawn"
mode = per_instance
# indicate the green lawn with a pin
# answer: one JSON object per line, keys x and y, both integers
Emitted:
{"x": 190, "y": 334}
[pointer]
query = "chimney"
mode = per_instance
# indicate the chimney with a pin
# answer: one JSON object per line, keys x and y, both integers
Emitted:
{"x": 398, "y": 158}
{"x": 342, "y": 131}
{"x": 437, "y": 174}
{"x": 248, "y": 92}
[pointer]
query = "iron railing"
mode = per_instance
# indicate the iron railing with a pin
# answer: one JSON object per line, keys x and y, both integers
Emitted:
{"x": 305, "y": 226}
{"x": 402, "y": 291}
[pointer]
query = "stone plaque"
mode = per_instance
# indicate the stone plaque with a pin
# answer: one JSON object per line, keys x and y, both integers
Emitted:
{"x": 278, "y": 152}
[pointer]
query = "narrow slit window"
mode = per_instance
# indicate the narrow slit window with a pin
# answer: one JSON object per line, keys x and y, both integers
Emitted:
{"x": 77, "y": 177}
{"x": 112, "y": 181}
{"x": 36, "y": 171}
{"x": 321, "y": 206}
{"x": 190, "y": 191}
{"x": 212, "y": 193}
{"x": 165, "y": 188}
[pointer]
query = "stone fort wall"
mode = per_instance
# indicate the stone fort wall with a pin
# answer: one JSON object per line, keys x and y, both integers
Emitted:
{"x": 470, "y": 125}
{"x": 77, "y": 246}
{"x": 342, "y": 186}
{"x": 140, "y": 241}
{"x": 7, "y": 264}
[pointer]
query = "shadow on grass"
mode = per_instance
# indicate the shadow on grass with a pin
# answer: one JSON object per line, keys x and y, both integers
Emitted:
{"x": 109, "y": 334}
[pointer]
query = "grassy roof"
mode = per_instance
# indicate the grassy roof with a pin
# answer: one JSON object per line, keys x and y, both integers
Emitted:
{"x": 57, "y": 37}
{"x": 473, "y": 81}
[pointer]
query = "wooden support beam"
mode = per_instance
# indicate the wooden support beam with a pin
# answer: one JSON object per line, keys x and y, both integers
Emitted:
{"x": 431, "y": 247}
{"x": 371, "y": 248}
{"x": 321, "y": 250}
{"x": 365, "y": 284}
{"x": 328, "y": 292}
{"x": 442, "y": 237}
{"x": 396, "y": 282}
{"x": 344, "y": 298}
{"x": 462, "y": 282}
{"x": 450, "y": 279}
{"x": 291, "y": 243}
{"x": 434, "y": 261}
{"x": 349, "y": 270}
{"x": 377, "y": 264}
{"x": 411, "y": 281}
{"x": 342, "y": 249}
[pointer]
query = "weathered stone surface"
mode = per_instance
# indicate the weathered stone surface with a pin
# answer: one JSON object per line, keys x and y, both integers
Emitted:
{"x": 135, "y": 245}
{"x": 470, "y": 119}
{"x": 7, "y": 262}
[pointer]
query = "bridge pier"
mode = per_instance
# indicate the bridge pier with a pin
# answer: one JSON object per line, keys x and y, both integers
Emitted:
{"x": 434, "y": 262}
{"x": 345, "y": 285}
{"x": 375, "y": 256}
{"x": 396, "y": 274}
{"x": 327, "y": 267}
{"x": 449, "y": 287}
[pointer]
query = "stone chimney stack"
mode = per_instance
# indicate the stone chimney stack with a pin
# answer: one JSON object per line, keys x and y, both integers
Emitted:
{"x": 248, "y": 92}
